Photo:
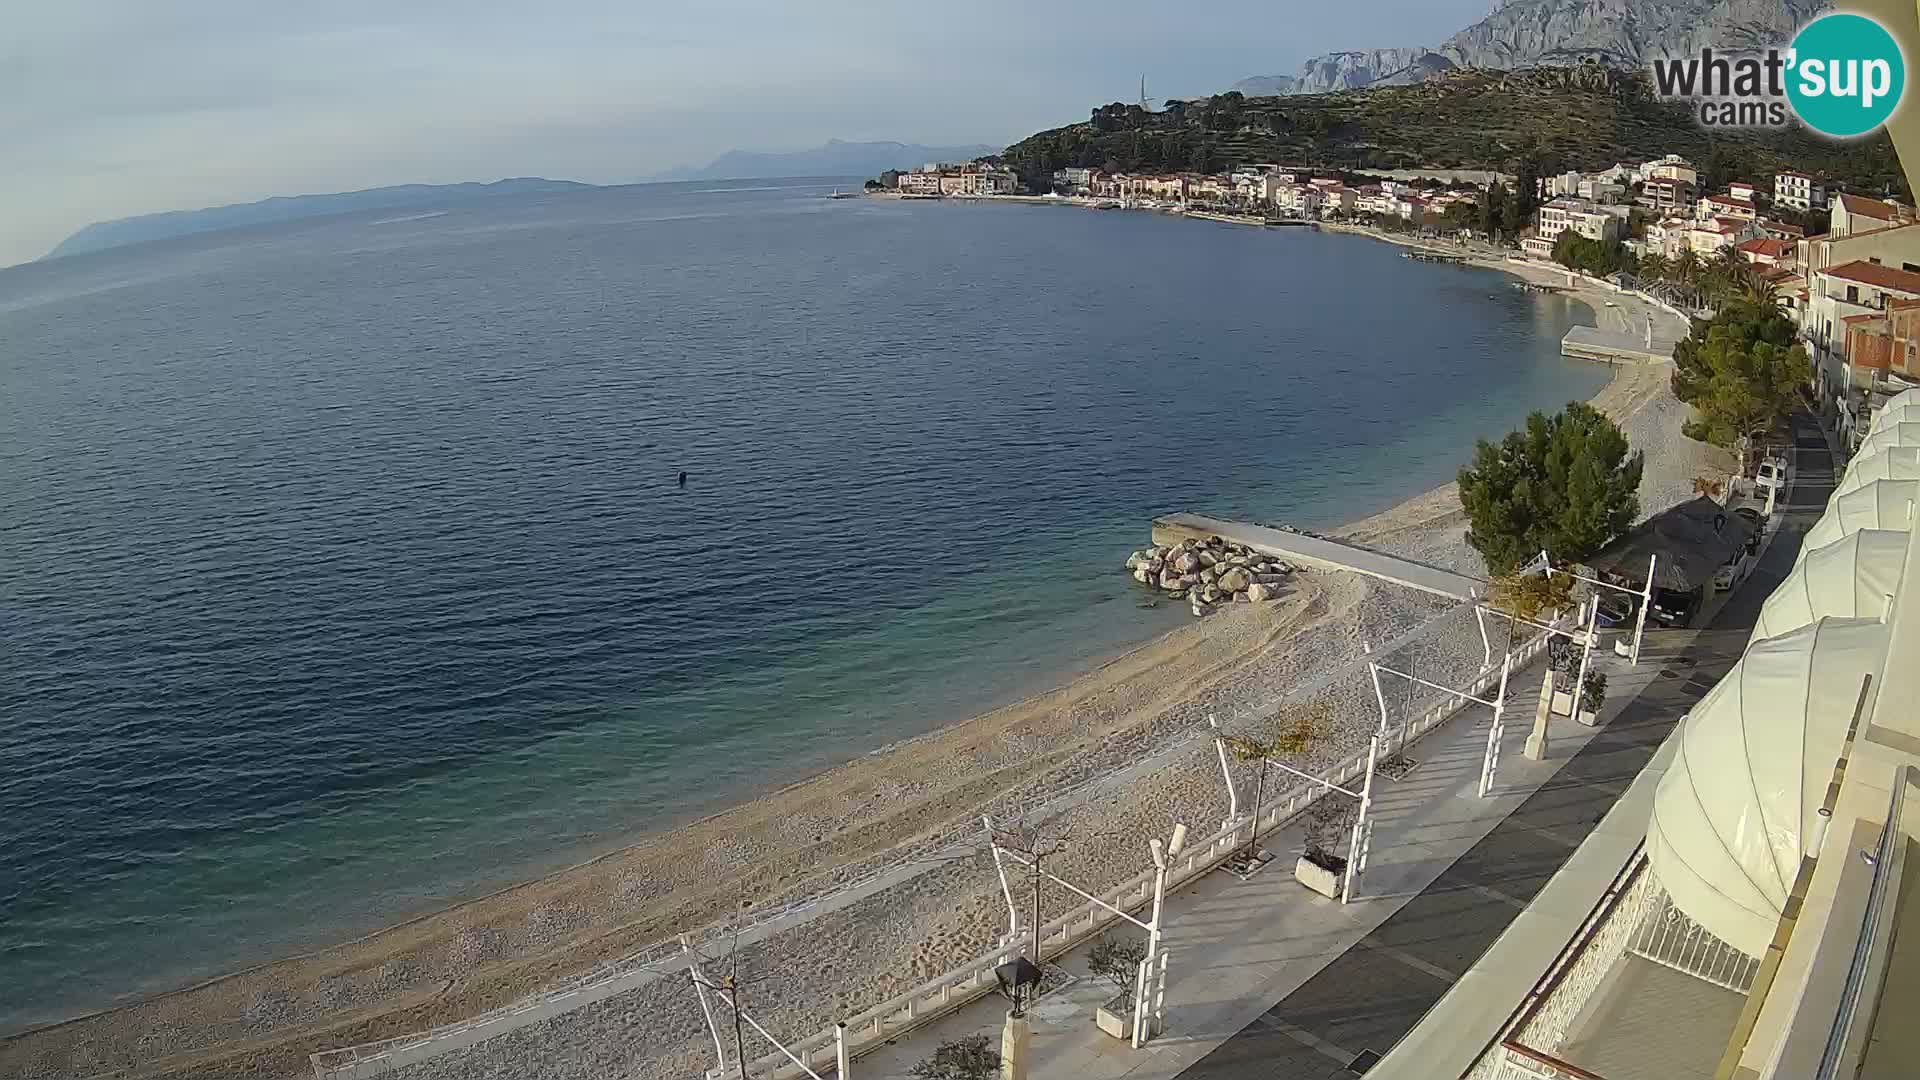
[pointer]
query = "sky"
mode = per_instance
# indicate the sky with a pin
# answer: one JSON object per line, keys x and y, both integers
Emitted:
{"x": 110, "y": 108}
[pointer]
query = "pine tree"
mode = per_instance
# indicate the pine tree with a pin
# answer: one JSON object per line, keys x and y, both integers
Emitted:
{"x": 1564, "y": 484}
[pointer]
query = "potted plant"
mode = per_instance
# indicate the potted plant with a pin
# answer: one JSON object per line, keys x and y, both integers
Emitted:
{"x": 1327, "y": 820}
{"x": 1116, "y": 961}
{"x": 1592, "y": 693}
{"x": 1563, "y": 666}
{"x": 1288, "y": 736}
{"x": 968, "y": 1058}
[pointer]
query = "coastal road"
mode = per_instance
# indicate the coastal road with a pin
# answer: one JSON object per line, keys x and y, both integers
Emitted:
{"x": 1377, "y": 991}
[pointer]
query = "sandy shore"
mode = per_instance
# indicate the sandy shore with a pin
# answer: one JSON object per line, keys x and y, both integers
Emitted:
{"x": 491, "y": 951}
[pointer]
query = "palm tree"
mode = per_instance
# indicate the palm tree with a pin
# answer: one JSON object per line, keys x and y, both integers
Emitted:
{"x": 1686, "y": 268}
{"x": 1758, "y": 291}
{"x": 1655, "y": 266}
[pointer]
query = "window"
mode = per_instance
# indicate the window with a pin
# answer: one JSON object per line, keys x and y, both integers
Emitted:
{"x": 1853, "y": 294}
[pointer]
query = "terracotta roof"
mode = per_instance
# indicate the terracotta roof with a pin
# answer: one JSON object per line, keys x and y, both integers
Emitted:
{"x": 1851, "y": 320}
{"x": 1770, "y": 246}
{"x": 1782, "y": 227}
{"x": 1865, "y": 207}
{"x": 1882, "y": 277}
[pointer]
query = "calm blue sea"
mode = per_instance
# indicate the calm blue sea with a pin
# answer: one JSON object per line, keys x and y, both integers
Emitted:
{"x": 344, "y": 571}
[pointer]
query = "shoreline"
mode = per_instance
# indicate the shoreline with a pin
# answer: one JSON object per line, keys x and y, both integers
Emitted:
{"x": 484, "y": 952}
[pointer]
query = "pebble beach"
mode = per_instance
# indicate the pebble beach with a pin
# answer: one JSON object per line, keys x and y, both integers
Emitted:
{"x": 806, "y": 838}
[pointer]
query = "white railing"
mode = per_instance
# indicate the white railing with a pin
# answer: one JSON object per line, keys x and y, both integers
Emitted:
{"x": 1668, "y": 938}
{"x": 962, "y": 984}
{"x": 931, "y": 1000}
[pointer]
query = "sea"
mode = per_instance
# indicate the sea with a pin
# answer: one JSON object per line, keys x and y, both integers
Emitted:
{"x": 346, "y": 569}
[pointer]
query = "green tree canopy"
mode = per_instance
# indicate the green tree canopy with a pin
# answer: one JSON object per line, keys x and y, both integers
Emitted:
{"x": 1564, "y": 484}
{"x": 1596, "y": 257}
{"x": 1740, "y": 370}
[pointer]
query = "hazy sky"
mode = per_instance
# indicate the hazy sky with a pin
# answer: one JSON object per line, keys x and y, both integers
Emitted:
{"x": 116, "y": 107}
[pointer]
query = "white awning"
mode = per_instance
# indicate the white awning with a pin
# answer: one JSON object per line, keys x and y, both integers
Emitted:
{"x": 1906, "y": 411}
{"x": 1892, "y": 463}
{"x": 1891, "y": 435}
{"x": 1848, "y": 578}
{"x": 1882, "y": 504}
{"x": 1738, "y": 807}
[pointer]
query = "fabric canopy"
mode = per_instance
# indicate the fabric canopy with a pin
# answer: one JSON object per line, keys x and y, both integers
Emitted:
{"x": 1892, "y": 435}
{"x": 1693, "y": 540}
{"x": 1892, "y": 463}
{"x": 1739, "y": 805}
{"x": 1882, "y": 504}
{"x": 1907, "y": 411}
{"x": 1848, "y": 578}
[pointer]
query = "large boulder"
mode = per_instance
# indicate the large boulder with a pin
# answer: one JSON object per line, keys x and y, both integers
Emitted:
{"x": 1210, "y": 594}
{"x": 1235, "y": 579}
{"x": 1169, "y": 579}
{"x": 1257, "y": 592}
{"x": 1210, "y": 575}
{"x": 1186, "y": 562}
{"x": 1140, "y": 575}
{"x": 1208, "y": 556}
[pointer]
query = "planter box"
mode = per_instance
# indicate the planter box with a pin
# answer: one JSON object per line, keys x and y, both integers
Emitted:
{"x": 1321, "y": 879}
{"x": 1116, "y": 1017}
{"x": 1562, "y": 703}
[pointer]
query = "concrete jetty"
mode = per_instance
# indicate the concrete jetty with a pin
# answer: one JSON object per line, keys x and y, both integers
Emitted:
{"x": 1315, "y": 551}
{"x": 1612, "y": 347}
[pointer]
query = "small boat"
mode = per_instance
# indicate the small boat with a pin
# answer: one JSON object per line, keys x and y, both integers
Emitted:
{"x": 838, "y": 194}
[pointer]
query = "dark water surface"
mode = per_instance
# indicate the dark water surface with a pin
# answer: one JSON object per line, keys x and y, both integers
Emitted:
{"x": 344, "y": 572}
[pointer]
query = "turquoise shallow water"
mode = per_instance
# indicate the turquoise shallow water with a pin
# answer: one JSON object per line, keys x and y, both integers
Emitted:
{"x": 347, "y": 574}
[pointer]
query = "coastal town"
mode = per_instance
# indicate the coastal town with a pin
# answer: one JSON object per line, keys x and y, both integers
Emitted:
{"x": 1845, "y": 266}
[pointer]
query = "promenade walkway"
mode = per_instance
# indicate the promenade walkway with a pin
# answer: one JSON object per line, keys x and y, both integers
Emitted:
{"x": 1269, "y": 980}
{"x": 1316, "y": 551}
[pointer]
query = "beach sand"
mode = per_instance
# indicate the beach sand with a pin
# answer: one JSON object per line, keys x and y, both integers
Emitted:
{"x": 804, "y": 839}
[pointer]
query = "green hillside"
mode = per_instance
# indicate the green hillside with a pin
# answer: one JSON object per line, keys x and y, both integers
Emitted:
{"x": 1566, "y": 118}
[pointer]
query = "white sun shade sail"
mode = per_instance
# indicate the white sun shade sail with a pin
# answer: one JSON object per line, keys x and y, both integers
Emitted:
{"x": 1739, "y": 805}
{"x": 1882, "y": 504}
{"x": 1892, "y": 435}
{"x": 1906, "y": 411}
{"x": 1848, "y": 578}
{"x": 1892, "y": 463}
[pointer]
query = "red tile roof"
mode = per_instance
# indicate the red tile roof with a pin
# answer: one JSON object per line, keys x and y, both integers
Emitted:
{"x": 1865, "y": 207}
{"x": 1880, "y": 277}
{"x": 1769, "y": 246}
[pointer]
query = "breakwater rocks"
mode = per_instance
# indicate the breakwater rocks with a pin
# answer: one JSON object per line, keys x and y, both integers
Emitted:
{"x": 1209, "y": 572}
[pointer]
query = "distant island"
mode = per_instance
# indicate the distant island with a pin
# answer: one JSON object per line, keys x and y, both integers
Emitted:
{"x": 135, "y": 230}
{"x": 834, "y": 158}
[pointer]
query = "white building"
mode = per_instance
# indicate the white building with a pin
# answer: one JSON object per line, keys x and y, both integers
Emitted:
{"x": 1798, "y": 190}
{"x": 1585, "y": 219}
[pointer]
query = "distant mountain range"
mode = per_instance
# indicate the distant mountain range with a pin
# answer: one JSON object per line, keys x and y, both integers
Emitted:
{"x": 835, "y": 158}
{"x": 134, "y": 230}
{"x": 1527, "y": 33}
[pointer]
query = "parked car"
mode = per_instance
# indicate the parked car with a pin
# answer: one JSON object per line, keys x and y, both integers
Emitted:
{"x": 1771, "y": 473}
{"x": 1674, "y": 607}
{"x": 1756, "y": 523}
